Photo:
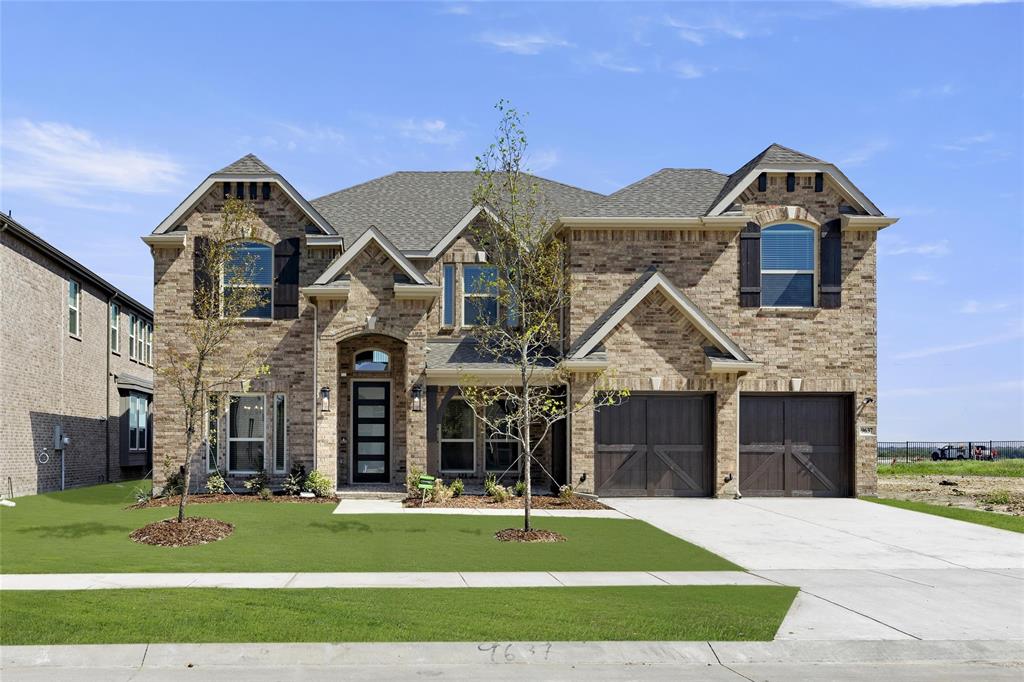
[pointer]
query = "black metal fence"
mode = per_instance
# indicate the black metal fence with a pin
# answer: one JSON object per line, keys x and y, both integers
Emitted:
{"x": 890, "y": 452}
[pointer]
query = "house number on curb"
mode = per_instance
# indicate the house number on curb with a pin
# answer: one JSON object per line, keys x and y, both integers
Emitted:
{"x": 507, "y": 653}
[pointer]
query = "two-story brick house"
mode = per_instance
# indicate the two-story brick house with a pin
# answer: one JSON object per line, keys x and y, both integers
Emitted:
{"x": 76, "y": 371}
{"x": 738, "y": 309}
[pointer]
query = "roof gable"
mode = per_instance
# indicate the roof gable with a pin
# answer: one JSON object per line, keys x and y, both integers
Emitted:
{"x": 648, "y": 282}
{"x": 248, "y": 164}
{"x": 372, "y": 235}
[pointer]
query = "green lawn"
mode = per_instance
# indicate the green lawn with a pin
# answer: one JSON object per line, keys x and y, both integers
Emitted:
{"x": 395, "y": 615}
{"x": 956, "y": 467}
{"x": 86, "y": 531}
{"x": 984, "y": 518}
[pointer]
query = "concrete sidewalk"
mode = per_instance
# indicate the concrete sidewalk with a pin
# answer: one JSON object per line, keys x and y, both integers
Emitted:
{"x": 359, "y": 506}
{"x": 115, "y": 581}
{"x": 988, "y": 660}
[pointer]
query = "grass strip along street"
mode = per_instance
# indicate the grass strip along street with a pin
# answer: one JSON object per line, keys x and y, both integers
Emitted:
{"x": 984, "y": 518}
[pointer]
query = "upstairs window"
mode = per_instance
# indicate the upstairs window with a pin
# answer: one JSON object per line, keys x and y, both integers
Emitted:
{"x": 372, "y": 361}
{"x": 133, "y": 328}
{"x": 149, "y": 344}
{"x": 74, "y": 308}
{"x": 787, "y": 266}
{"x": 251, "y": 265}
{"x": 115, "y": 328}
{"x": 480, "y": 297}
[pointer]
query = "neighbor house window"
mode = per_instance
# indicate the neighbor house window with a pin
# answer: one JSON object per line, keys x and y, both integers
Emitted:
{"x": 246, "y": 431}
{"x": 502, "y": 450}
{"x": 251, "y": 265}
{"x": 372, "y": 361}
{"x": 149, "y": 344}
{"x": 212, "y": 430}
{"x": 280, "y": 432}
{"x": 74, "y": 308}
{"x": 458, "y": 444}
{"x": 138, "y": 421}
{"x": 480, "y": 297}
{"x": 133, "y": 324}
{"x": 115, "y": 328}
{"x": 787, "y": 266}
{"x": 448, "y": 301}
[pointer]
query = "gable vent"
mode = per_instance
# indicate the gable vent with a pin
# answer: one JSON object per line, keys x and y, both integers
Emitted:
{"x": 790, "y": 182}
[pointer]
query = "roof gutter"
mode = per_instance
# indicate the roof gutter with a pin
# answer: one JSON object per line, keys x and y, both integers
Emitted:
{"x": 724, "y": 222}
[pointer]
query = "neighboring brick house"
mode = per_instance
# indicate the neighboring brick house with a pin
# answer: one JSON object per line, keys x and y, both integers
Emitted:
{"x": 75, "y": 369}
{"x": 740, "y": 311}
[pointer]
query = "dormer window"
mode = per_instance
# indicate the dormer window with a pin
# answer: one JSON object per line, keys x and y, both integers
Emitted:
{"x": 787, "y": 266}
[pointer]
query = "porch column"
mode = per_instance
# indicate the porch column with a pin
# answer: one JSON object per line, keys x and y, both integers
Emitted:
{"x": 727, "y": 435}
{"x": 581, "y": 457}
{"x": 326, "y": 455}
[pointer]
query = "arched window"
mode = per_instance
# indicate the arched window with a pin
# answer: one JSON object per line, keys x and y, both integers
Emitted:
{"x": 250, "y": 265}
{"x": 787, "y": 266}
{"x": 372, "y": 361}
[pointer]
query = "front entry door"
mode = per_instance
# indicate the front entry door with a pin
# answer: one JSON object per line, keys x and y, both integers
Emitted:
{"x": 371, "y": 429}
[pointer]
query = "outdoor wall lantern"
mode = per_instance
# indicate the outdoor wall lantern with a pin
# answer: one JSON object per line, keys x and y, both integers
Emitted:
{"x": 417, "y": 398}
{"x": 325, "y": 399}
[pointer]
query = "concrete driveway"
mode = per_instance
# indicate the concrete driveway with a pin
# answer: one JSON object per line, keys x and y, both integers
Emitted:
{"x": 866, "y": 571}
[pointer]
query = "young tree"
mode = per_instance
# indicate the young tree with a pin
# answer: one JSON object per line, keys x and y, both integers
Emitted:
{"x": 532, "y": 285}
{"x": 214, "y": 355}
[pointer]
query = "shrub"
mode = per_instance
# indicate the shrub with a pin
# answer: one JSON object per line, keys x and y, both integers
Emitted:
{"x": 457, "y": 487}
{"x": 566, "y": 493}
{"x": 489, "y": 483}
{"x": 519, "y": 488}
{"x": 215, "y": 483}
{"x": 142, "y": 495}
{"x": 319, "y": 485}
{"x": 441, "y": 493}
{"x": 175, "y": 485}
{"x": 296, "y": 480}
{"x": 499, "y": 493}
{"x": 412, "y": 481}
{"x": 256, "y": 482}
{"x": 266, "y": 494}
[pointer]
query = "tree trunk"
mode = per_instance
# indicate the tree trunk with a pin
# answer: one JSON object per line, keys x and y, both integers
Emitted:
{"x": 186, "y": 474}
{"x": 528, "y": 495}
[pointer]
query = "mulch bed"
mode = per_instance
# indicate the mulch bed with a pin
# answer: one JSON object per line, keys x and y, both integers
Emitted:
{"x": 534, "y": 535}
{"x": 485, "y": 502}
{"x": 194, "y": 530}
{"x": 222, "y": 498}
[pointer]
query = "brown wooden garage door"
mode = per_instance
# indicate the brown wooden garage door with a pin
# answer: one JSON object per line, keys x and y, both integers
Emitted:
{"x": 795, "y": 445}
{"x": 654, "y": 444}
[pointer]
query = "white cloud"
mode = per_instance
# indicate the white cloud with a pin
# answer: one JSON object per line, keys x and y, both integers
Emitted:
{"x": 607, "y": 60}
{"x": 944, "y": 90}
{"x": 1014, "y": 385}
{"x": 900, "y": 247}
{"x": 459, "y": 10}
{"x": 925, "y": 4}
{"x": 686, "y": 70}
{"x": 923, "y": 276}
{"x": 864, "y": 152}
{"x": 69, "y": 165}
{"x": 522, "y": 43}
{"x": 990, "y": 340}
{"x": 698, "y": 33}
{"x": 973, "y": 307}
{"x": 543, "y": 160}
{"x": 291, "y": 136}
{"x": 966, "y": 143}
{"x": 429, "y": 131}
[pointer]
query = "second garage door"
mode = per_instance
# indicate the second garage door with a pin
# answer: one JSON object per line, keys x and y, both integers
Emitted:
{"x": 655, "y": 444}
{"x": 795, "y": 445}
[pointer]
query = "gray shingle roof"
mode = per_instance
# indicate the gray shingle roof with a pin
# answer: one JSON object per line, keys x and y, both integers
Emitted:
{"x": 248, "y": 165}
{"x": 465, "y": 354}
{"x": 774, "y": 153}
{"x": 669, "y": 193}
{"x": 415, "y": 209}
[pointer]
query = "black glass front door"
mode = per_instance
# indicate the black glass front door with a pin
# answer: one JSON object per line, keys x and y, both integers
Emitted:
{"x": 371, "y": 429}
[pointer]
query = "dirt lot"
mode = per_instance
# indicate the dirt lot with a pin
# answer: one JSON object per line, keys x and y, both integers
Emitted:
{"x": 989, "y": 493}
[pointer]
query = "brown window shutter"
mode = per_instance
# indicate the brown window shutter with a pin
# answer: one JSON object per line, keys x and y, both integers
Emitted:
{"x": 286, "y": 279}
{"x": 433, "y": 414}
{"x": 830, "y": 289}
{"x": 202, "y": 279}
{"x": 750, "y": 266}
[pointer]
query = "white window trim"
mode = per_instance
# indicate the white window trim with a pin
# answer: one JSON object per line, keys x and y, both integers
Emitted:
{"x": 815, "y": 235}
{"x": 211, "y": 397}
{"x": 442, "y": 440}
{"x": 115, "y": 328}
{"x": 133, "y": 323}
{"x": 77, "y": 307}
{"x": 230, "y": 440}
{"x": 370, "y": 371}
{"x": 149, "y": 344}
{"x": 133, "y": 400}
{"x": 282, "y": 436}
{"x": 464, "y": 296}
{"x": 503, "y": 439}
{"x": 220, "y": 298}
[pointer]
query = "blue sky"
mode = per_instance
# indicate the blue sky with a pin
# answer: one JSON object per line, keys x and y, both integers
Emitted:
{"x": 112, "y": 113}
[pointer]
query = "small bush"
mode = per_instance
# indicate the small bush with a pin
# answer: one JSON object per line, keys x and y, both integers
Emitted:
{"x": 142, "y": 495}
{"x": 519, "y": 488}
{"x": 457, "y": 487}
{"x": 215, "y": 483}
{"x": 266, "y": 494}
{"x": 296, "y": 480}
{"x": 566, "y": 493}
{"x": 175, "y": 485}
{"x": 412, "y": 481}
{"x": 256, "y": 482}
{"x": 489, "y": 483}
{"x": 319, "y": 485}
{"x": 441, "y": 493}
{"x": 499, "y": 493}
